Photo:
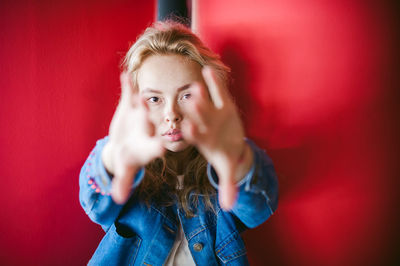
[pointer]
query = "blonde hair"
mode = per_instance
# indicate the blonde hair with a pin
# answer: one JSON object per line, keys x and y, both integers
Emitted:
{"x": 164, "y": 38}
{"x": 160, "y": 182}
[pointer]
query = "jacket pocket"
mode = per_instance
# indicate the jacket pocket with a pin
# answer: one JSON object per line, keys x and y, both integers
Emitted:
{"x": 119, "y": 246}
{"x": 231, "y": 248}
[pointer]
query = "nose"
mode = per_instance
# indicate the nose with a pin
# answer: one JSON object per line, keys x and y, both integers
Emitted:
{"x": 173, "y": 114}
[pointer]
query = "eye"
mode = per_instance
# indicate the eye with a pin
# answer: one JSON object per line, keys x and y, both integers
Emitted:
{"x": 153, "y": 99}
{"x": 186, "y": 96}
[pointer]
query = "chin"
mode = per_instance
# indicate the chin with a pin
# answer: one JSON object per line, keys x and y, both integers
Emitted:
{"x": 176, "y": 146}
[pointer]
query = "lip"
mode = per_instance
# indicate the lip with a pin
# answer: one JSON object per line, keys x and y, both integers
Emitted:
{"x": 173, "y": 135}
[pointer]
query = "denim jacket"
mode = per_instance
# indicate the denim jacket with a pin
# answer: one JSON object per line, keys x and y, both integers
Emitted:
{"x": 138, "y": 235}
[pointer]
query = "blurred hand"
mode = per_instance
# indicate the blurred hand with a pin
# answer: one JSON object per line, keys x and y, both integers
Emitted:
{"x": 132, "y": 141}
{"x": 214, "y": 126}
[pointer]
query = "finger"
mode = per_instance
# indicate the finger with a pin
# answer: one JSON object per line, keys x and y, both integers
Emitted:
{"x": 190, "y": 132}
{"x": 143, "y": 103}
{"x": 227, "y": 189}
{"x": 125, "y": 88}
{"x": 149, "y": 127}
{"x": 197, "y": 115}
{"x": 199, "y": 93}
{"x": 199, "y": 107}
{"x": 122, "y": 183}
{"x": 128, "y": 97}
{"x": 215, "y": 88}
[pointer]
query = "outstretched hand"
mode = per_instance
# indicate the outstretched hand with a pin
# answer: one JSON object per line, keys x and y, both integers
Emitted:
{"x": 214, "y": 126}
{"x": 132, "y": 141}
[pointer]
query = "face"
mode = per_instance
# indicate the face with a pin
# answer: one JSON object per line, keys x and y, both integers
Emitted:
{"x": 164, "y": 82}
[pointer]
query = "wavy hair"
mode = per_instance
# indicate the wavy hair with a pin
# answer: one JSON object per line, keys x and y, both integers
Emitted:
{"x": 160, "y": 182}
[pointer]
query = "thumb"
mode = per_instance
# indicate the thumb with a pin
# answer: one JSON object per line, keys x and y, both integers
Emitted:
{"x": 155, "y": 146}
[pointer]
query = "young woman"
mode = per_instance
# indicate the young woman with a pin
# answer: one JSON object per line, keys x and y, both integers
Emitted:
{"x": 176, "y": 181}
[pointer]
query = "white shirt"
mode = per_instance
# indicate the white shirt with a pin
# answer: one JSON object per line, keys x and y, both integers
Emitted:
{"x": 180, "y": 253}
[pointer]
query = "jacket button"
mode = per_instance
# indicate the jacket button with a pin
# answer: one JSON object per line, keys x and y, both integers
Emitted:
{"x": 198, "y": 247}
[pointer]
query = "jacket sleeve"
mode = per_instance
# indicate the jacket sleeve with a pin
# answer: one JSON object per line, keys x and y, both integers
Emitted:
{"x": 95, "y": 188}
{"x": 257, "y": 192}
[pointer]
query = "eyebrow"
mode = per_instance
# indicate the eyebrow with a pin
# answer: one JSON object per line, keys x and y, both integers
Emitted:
{"x": 184, "y": 87}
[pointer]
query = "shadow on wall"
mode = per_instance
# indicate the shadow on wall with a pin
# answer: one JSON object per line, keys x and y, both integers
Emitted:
{"x": 316, "y": 102}
{"x": 260, "y": 117}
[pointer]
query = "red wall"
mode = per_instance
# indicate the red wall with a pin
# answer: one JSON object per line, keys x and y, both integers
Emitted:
{"x": 313, "y": 79}
{"x": 316, "y": 82}
{"x": 59, "y": 87}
